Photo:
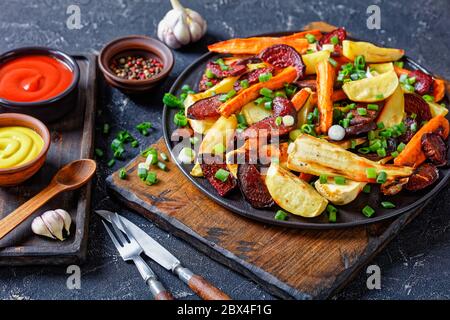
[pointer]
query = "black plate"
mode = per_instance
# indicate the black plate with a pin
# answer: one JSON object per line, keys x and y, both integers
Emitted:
{"x": 349, "y": 215}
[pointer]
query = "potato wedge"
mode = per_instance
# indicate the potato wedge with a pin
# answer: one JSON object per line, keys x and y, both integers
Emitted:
{"x": 317, "y": 156}
{"x": 202, "y": 126}
{"x": 220, "y": 133}
{"x": 293, "y": 194}
{"x": 393, "y": 111}
{"x": 436, "y": 109}
{"x": 382, "y": 67}
{"x": 254, "y": 113}
{"x": 311, "y": 60}
{"x": 339, "y": 194}
{"x": 372, "y": 53}
{"x": 372, "y": 89}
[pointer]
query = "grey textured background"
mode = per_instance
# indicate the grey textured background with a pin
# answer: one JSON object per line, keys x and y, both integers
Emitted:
{"x": 414, "y": 266}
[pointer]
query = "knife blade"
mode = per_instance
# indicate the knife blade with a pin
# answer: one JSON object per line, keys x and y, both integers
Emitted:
{"x": 151, "y": 248}
{"x": 159, "y": 254}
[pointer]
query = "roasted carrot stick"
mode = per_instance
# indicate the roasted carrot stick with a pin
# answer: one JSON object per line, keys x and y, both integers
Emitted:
{"x": 299, "y": 99}
{"x": 256, "y": 44}
{"x": 413, "y": 155}
{"x": 245, "y": 96}
{"x": 438, "y": 84}
{"x": 325, "y": 81}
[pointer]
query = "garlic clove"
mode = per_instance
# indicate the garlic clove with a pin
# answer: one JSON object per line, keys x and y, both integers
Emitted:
{"x": 66, "y": 218}
{"x": 195, "y": 31}
{"x": 181, "y": 30}
{"x": 39, "y": 227}
{"x": 54, "y": 223}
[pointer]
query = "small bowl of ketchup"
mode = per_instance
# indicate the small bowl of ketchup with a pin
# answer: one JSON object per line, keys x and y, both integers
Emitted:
{"x": 38, "y": 81}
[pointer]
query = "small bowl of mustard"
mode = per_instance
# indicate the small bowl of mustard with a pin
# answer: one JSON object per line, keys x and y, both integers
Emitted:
{"x": 24, "y": 143}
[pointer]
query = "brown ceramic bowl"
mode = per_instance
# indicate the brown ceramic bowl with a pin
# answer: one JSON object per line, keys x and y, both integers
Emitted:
{"x": 17, "y": 175}
{"x": 135, "y": 45}
{"x": 50, "y": 109}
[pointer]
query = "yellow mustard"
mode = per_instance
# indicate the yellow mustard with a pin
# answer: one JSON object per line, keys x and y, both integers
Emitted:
{"x": 18, "y": 145}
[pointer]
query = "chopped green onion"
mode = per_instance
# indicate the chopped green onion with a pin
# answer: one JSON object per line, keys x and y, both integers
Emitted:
{"x": 268, "y": 105}
{"x": 290, "y": 89}
{"x": 403, "y": 78}
{"x": 366, "y": 188}
{"x": 362, "y": 111}
{"x": 135, "y": 144}
{"x": 144, "y": 127}
{"x": 353, "y": 144}
{"x": 428, "y": 98}
{"x": 381, "y": 152}
{"x": 334, "y": 40}
{"x": 111, "y": 163}
{"x": 209, "y": 74}
{"x": 209, "y": 84}
{"x": 399, "y": 64}
{"x": 339, "y": 180}
{"x": 280, "y": 215}
{"x": 371, "y": 173}
{"x": 371, "y": 135}
{"x": 222, "y": 175}
{"x": 411, "y": 80}
{"x": 266, "y": 92}
{"x": 306, "y": 128}
{"x": 162, "y": 165}
{"x": 172, "y": 101}
{"x": 332, "y": 62}
{"x": 264, "y": 77}
{"x": 142, "y": 173}
{"x": 323, "y": 179}
{"x": 106, "y": 128}
{"x": 387, "y": 205}
{"x": 360, "y": 62}
{"x": 394, "y": 154}
{"x": 380, "y": 125}
{"x": 244, "y": 84}
{"x": 194, "y": 140}
{"x": 311, "y": 38}
{"x": 368, "y": 211}
{"x": 278, "y": 120}
{"x": 332, "y": 211}
{"x": 371, "y": 106}
{"x": 382, "y": 177}
{"x": 345, "y": 123}
{"x": 401, "y": 147}
{"x": 122, "y": 174}
{"x": 99, "y": 152}
{"x": 379, "y": 96}
{"x": 180, "y": 119}
{"x": 186, "y": 88}
{"x": 151, "y": 178}
{"x": 376, "y": 144}
{"x": 364, "y": 150}
{"x": 408, "y": 87}
{"x": 414, "y": 127}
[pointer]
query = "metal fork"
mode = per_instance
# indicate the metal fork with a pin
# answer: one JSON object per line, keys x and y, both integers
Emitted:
{"x": 131, "y": 250}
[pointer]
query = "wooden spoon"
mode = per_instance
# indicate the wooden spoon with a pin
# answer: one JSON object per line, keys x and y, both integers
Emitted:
{"x": 70, "y": 177}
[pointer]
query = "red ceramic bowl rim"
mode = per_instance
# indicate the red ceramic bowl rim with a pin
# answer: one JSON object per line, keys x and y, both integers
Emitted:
{"x": 45, "y": 135}
{"x": 57, "y": 54}
{"x": 167, "y": 67}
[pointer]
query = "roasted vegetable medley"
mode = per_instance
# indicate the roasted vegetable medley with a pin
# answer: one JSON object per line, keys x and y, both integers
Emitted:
{"x": 304, "y": 123}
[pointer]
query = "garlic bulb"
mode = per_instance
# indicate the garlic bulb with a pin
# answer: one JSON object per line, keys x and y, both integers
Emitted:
{"x": 52, "y": 223}
{"x": 181, "y": 26}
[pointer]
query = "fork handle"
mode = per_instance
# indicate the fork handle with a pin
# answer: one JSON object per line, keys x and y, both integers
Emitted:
{"x": 158, "y": 290}
{"x": 199, "y": 285}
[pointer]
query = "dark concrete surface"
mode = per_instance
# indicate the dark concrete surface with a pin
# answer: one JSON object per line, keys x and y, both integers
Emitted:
{"x": 414, "y": 266}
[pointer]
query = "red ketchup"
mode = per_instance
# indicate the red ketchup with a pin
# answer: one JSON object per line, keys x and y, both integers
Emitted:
{"x": 33, "y": 78}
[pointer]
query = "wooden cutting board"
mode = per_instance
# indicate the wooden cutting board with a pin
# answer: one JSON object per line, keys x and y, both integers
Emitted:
{"x": 289, "y": 263}
{"x": 299, "y": 264}
{"x": 72, "y": 139}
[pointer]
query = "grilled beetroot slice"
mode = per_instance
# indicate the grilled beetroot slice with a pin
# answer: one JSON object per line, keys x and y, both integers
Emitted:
{"x": 207, "y": 108}
{"x": 209, "y": 171}
{"x": 249, "y": 60}
{"x": 232, "y": 71}
{"x": 253, "y": 187}
{"x": 268, "y": 126}
{"x": 361, "y": 128}
{"x": 326, "y": 39}
{"x": 415, "y": 104}
{"x": 204, "y": 80}
{"x": 424, "y": 82}
{"x": 282, "y": 56}
{"x": 407, "y": 136}
{"x": 252, "y": 77}
{"x": 423, "y": 177}
{"x": 434, "y": 148}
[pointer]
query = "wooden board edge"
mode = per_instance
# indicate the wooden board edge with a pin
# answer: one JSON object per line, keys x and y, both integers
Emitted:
{"x": 270, "y": 283}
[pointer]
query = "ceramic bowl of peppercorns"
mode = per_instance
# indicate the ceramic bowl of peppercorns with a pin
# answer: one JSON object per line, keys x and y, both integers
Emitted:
{"x": 135, "y": 63}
